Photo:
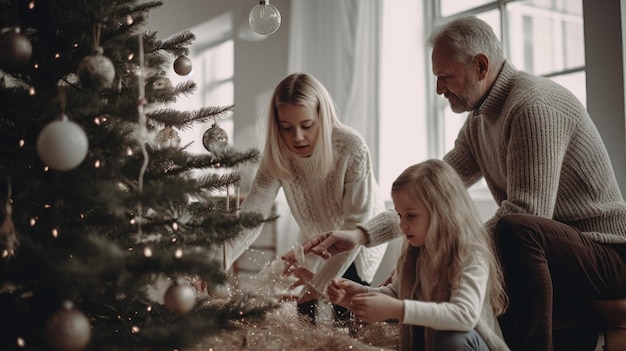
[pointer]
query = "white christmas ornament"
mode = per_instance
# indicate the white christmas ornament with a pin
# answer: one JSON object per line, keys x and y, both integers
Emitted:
{"x": 62, "y": 144}
{"x": 218, "y": 291}
{"x": 278, "y": 266}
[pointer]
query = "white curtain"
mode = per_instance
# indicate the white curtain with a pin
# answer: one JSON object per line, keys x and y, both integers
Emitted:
{"x": 338, "y": 42}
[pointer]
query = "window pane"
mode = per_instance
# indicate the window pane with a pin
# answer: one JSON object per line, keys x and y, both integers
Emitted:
{"x": 576, "y": 83}
{"x": 452, "y": 123}
{"x": 492, "y": 17}
{"x": 219, "y": 61}
{"x": 213, "y": 71}
{"x": 451, "y": 7}
{"x": 545, "y": 36}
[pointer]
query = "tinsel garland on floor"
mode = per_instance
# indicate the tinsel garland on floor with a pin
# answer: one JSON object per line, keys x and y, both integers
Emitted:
{"x": 284, "y": 329}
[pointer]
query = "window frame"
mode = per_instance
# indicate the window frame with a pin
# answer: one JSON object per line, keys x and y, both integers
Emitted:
{"x": 435, "y": 104}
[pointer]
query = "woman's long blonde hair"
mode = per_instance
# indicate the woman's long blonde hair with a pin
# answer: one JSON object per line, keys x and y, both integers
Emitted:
{"x": 455, "y": 232}
{"x": 304, "y": 90}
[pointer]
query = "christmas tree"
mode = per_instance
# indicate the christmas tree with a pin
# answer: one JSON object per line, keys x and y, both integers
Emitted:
{"x": 99, "y": 198}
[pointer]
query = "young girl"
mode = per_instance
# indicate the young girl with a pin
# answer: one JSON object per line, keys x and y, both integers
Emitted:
{"x": 448, "y": 288}
{"x": 325, "y": 170}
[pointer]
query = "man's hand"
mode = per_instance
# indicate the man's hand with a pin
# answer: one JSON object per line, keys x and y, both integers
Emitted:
{"x": 328, "y": 244}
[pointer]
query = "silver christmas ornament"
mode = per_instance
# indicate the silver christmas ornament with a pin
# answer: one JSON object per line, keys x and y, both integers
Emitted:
{"x": 96, "y": 71}
{"x": 182, "y": 66}
{"x": 167, "y": 137}
{"x": 215, "y": 139}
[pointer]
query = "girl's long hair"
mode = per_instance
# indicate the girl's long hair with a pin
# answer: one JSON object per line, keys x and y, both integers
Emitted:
{"x": 455, "y": 232}
{"x": 304, "y": 90}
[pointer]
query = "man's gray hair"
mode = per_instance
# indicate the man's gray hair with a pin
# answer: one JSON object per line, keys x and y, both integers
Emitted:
{"x": 467, "y": 37}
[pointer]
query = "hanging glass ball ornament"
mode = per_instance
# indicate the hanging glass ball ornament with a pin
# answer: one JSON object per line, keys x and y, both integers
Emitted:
{"x": 182, "y": 66}
{"x": 68, "y": 329}
{"x": 264, "y": 18}
{"x": 215, "y": 139}
{"x": 159, "y": 82}
{"x": 15, "y": 50}
{"x": 62, "y": 144}
{"x": 167, "y": 137}
{"x": 218, "y": 291}
{"x": 179, "y": 298}
{"x": 157, "y": 87}
{"x": 96, "y": 71}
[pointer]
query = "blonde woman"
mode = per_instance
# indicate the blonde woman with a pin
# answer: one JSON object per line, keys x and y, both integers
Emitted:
{"x": 449, "y": 288}
{"x": 325, "y": 171}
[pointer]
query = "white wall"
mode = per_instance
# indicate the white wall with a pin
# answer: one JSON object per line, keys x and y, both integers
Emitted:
{"x": 604, "y": 58}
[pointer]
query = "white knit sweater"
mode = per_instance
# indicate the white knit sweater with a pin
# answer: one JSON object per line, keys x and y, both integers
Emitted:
{"x": 540, "y": 153}
{"x": 347, "y": 196}
{"x": 468, "y": 308}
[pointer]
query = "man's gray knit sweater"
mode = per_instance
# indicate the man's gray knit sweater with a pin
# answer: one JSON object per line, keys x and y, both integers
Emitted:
{"x": 539, "y": 153}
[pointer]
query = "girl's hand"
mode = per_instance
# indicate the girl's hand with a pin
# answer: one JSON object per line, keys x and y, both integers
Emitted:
{"x": 376, "y": 307}
{"x": 303, "y": 276}
{"x": 340, "y": 291}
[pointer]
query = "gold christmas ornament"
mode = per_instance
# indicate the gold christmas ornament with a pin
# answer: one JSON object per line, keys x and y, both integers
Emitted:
{"x": 68, "y": 329}
{"x": 182, "y": 66}
{"x": 15, "y": 50}
{"x": 179, "y": 298}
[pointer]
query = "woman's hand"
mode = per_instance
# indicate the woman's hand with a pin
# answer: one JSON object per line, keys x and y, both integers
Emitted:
{"x": 304, "y": 276}
{"x": 307, "y": 295}
{"x": 328, "y": 244}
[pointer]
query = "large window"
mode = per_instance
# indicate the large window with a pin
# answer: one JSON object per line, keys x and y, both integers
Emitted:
{"x": 213, "y": 62}
{"x": 543, "y": 37}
